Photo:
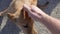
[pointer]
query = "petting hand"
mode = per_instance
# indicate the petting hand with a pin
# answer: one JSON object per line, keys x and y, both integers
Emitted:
{"x": 34, "y": 12}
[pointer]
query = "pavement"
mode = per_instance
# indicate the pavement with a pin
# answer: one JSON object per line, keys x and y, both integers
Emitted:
{"x": 53, "y": 9}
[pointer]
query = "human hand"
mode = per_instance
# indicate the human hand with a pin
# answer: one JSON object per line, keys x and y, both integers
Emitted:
{"x": 34, "y": 12}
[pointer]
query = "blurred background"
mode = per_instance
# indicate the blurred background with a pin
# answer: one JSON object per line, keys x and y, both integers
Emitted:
{"x": 53, "y": 9}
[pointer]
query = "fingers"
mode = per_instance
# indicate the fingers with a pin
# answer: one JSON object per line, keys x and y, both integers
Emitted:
{"x": 26, "y": 8}
{"x": 32, "y": 9}
{"x": 36, "y": 9}
{"x": 33, "y": 12}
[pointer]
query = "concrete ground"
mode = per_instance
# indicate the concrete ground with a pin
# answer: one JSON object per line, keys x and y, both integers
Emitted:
{"x": 53, "y": 10}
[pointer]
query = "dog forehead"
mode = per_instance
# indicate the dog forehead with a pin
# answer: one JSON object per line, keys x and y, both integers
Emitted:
{"x": 28, "y": 1}
{"x": 20, "y": 3}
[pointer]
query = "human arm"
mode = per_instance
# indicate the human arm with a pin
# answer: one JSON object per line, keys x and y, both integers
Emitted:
{"x": 37, "y": 14}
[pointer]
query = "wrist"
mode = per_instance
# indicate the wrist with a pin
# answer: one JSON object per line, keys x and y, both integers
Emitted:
{"x": 44, "y": 16}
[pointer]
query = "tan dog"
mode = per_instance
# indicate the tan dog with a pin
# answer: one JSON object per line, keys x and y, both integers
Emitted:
{"x": 23, "y": 21}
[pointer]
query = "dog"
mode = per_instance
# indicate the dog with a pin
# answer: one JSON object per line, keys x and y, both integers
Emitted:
{"x": 17, "y": 15}
{"x": 24, "y": 22}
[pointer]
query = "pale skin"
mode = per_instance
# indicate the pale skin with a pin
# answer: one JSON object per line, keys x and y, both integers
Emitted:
{"x": 37, "y": 14}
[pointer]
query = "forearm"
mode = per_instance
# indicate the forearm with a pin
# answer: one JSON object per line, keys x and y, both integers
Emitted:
{"x": 51, "y": 23}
